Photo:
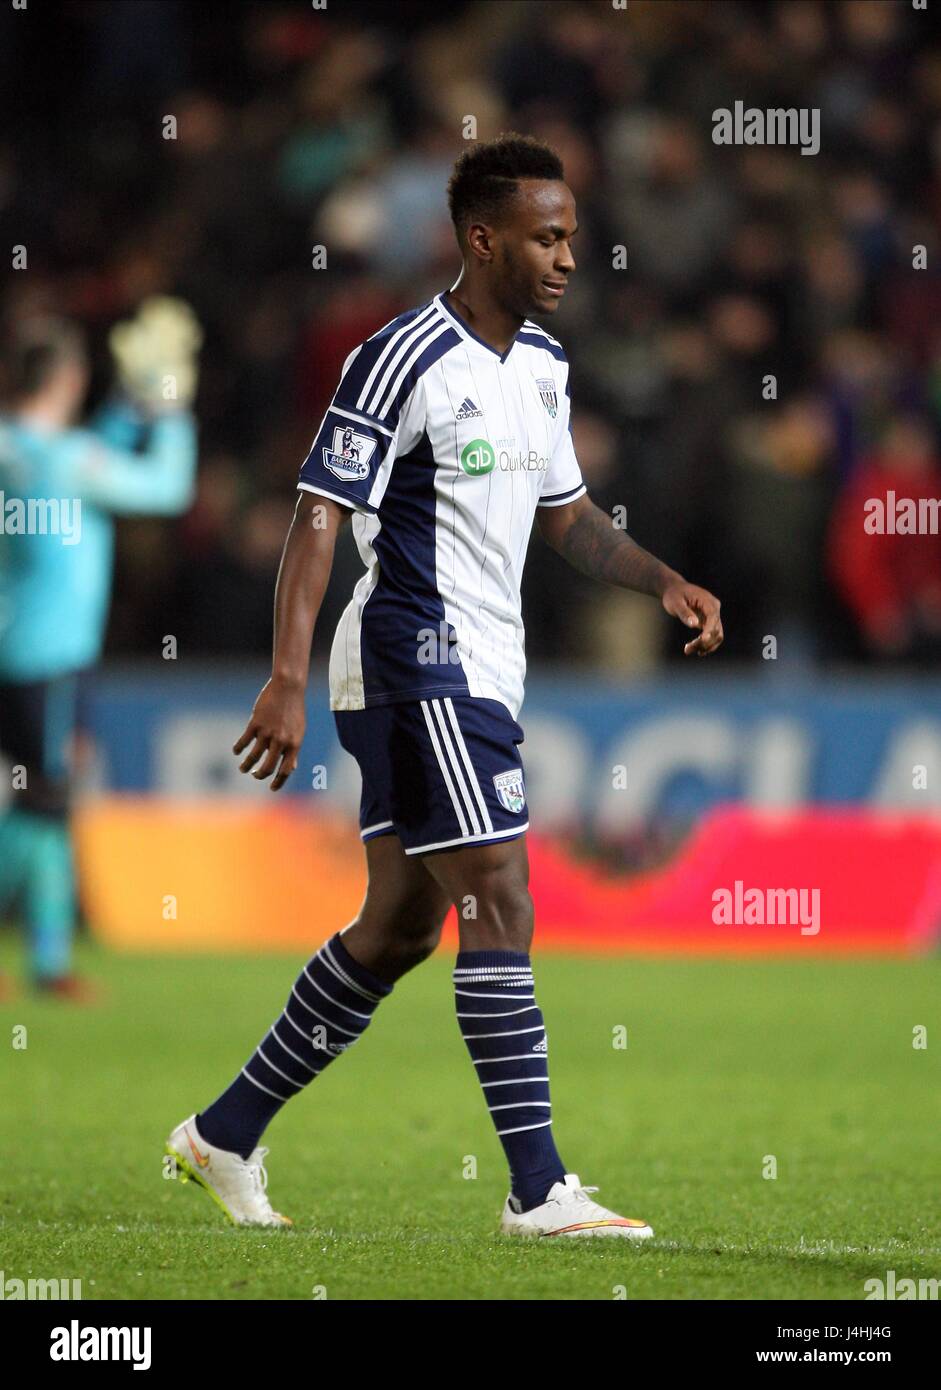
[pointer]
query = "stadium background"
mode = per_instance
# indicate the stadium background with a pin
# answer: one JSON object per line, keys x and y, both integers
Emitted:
{"x": 787, "y": 765}
{"x": 299, "y": 128}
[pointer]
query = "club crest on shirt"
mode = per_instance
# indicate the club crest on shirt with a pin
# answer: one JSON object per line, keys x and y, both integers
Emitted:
{"x": 510, "y": 790}
{"x": 547, "y": 395}
{"x": 350, "y": 455}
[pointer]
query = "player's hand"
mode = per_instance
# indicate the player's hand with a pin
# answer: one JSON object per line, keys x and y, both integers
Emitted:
{"x": 696, "y": 608}
{"x": 275, "y": 732}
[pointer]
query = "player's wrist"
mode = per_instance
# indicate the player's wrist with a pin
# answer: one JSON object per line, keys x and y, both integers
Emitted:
{"x": 289, "y": 682}
{"x": 665, "y": 580}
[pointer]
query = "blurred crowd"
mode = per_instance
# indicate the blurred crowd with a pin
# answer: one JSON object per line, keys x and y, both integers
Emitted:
{"x": 298, "y": 127}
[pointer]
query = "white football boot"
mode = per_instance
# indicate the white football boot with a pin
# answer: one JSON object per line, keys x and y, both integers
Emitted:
{"x": 569, "y": 1211}
{"x": 234, "y": 1183}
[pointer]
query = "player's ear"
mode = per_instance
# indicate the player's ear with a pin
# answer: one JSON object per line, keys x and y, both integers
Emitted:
{"x": 479, "y": 241}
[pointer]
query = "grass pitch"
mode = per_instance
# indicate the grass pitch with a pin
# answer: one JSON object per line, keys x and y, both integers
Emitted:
{"x": 726, "y": 1063}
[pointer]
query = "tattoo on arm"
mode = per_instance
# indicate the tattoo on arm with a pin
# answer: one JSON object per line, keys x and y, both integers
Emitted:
{"x": 594, "y": 546}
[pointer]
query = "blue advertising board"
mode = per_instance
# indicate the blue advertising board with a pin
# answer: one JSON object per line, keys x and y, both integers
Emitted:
{"x": 601, "y": 755}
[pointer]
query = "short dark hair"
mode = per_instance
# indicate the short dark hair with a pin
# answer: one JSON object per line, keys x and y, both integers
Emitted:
{"x": 485, "y": 178}
{"x": 39, "y": 346}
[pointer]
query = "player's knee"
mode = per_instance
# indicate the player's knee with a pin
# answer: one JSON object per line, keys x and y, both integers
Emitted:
{"x": 411, "y": 932}
{"x": 419, "y": 945}
{"x": 412, "y": 943}
{"x": 500, "y": 914}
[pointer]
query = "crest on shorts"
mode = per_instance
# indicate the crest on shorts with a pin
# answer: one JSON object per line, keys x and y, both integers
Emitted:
{"x": 510, "y": 790}
{"x": 547, "y": 395}
{"x": 350, "y": 455}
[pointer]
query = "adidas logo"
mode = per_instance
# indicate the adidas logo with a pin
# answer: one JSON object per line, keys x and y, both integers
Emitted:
{"x": 541, "y": 1046}
{"x": 468, "y": 410}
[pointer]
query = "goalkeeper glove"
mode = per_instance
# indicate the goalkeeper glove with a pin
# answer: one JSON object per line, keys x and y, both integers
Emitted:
{"x": 156, "y": 354}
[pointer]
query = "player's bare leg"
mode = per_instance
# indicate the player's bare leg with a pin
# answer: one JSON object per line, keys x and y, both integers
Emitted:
{"x": 503, "y": 1027}
{"x": 400, "y": 921}
{"x": 494, "y": 880}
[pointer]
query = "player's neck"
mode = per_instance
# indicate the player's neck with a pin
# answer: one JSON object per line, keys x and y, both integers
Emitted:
{"x": 489, "y": 321}
{"x": 43, "y": 415}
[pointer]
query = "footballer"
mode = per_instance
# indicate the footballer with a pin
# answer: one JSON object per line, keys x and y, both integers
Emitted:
{"x": 136, "y": 457}
{"x": 448, "y": 433}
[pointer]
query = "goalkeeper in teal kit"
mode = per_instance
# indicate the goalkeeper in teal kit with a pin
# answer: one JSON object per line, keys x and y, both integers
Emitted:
{"x": 60, "y": 487}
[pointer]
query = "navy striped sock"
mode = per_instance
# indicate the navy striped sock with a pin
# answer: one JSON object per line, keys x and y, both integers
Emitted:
{"x": 329, "y": 1006}
{"x": 505, "y": 1035}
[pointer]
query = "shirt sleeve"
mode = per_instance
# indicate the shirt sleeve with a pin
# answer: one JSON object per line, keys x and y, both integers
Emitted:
{"x": 562, "y": 480}
{"x": 157, "y": 481}
{"x": 355, "y": 448}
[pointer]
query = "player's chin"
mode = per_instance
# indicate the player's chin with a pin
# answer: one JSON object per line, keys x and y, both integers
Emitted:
{"x": 545, "y": 302}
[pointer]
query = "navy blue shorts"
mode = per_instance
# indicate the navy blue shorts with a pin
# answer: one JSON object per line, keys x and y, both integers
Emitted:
{"x": 37, "y": 722}
{"x": 439, "y": 773}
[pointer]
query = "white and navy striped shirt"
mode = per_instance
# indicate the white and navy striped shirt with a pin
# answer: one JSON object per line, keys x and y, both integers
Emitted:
{"x": 444, "y": 448}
